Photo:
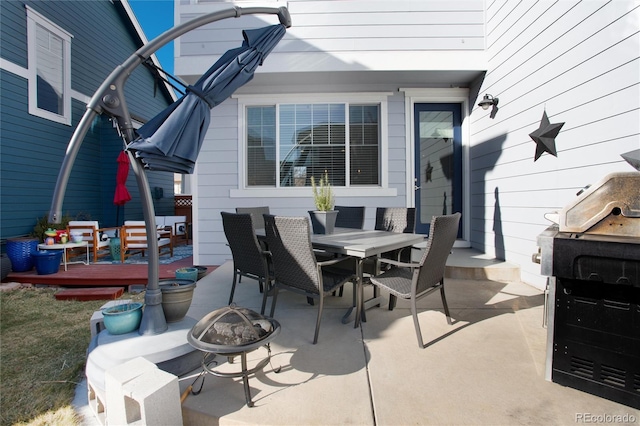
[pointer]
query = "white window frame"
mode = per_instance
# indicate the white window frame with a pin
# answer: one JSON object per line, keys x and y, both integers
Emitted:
{"x": 33, "y": 19}
{"x": 380, "y": 98}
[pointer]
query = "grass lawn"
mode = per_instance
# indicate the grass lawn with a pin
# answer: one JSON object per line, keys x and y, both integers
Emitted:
{"x": 43, "y": 344}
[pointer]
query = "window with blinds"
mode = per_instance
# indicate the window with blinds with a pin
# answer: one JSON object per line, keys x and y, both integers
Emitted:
{"x": 49, "y": 52}
{"x": 287, "y": 144}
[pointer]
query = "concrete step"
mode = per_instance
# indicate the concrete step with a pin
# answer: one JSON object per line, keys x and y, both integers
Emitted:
{"x": 471, "y": 264}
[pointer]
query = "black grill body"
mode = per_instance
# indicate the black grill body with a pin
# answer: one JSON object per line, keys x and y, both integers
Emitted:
{"x": 596, "y": 327}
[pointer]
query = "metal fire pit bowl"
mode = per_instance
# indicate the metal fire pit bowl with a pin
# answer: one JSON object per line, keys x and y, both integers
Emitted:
{"x": 234, "y": 331}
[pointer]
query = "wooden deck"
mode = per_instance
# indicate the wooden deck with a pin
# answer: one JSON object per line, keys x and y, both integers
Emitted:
{"x": 100, "y": 275}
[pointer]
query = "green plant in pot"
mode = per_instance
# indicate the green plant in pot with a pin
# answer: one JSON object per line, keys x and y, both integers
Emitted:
{"x": 323, "y": 219}
{"x": 43, "y": 225}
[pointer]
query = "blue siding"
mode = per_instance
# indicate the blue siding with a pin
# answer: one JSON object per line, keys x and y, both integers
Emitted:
{"x": 32, "y": 148}
{"x": 13, "y": 32}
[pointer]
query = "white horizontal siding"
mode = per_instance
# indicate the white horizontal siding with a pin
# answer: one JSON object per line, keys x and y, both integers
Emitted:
{"x": 579, "y": 61}
{"x": 333, "y": 29}
{"x": 217, "y": 175}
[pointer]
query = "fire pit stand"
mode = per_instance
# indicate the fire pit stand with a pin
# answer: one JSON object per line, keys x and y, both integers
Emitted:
{"x": 233, "y": 331}
{"x": 244, "y": 373}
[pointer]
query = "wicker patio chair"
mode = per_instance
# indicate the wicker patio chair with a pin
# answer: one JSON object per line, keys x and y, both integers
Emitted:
{"x": 256, "y": 214}
{"x": 414, "y": 281}
{"x": 249, "y": 258}
{"x": 295, "y": 265}
{"x": 350, "y": 217}
{"x": 396, "y": 219}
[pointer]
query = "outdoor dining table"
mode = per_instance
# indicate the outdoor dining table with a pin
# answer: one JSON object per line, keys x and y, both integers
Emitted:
{"x": 360, "y": 244}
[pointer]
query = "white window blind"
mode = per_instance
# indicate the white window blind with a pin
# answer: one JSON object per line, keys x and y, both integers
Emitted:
{"x": 311, "y": 140}
{"x": 49, "y": 69}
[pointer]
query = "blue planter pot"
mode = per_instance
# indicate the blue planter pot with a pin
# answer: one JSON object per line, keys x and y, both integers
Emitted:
{"x": 121, "y": 319}
{"x": 47, "y": 261}
{"x": 190, "y": 274}
{"x": 20, "y": 252}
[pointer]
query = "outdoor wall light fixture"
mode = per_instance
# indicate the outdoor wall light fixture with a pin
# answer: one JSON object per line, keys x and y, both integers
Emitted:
{"x": 488, "y": 101}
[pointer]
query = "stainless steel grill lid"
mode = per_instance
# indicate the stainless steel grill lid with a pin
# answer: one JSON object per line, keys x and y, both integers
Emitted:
{"x": 232, "y": 329}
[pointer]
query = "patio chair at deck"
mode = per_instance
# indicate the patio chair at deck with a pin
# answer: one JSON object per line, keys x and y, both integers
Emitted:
{"x": 249, "y": 258}
{"x": 93, "y": 235}
{"x": 295, "y": 265}
{"x": 396, "y": 219}
{"x": 256, "y": 214}
{"x": 350, "y": 217}
{"x": 133, "y": 239}
{"x": 392, "y": 219}
{"x": 414, "y": 281}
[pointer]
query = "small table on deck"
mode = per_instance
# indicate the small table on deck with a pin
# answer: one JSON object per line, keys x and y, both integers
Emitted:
{"x": 64, "y": 247}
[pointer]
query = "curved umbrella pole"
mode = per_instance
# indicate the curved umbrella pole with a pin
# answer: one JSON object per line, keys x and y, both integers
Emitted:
{"x": 110, "y": 99}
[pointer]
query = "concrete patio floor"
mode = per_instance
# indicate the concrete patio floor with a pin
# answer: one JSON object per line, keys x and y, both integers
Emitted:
{"x": 486, "y": 369}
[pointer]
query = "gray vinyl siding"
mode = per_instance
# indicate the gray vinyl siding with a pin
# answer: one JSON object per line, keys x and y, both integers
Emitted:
{"x": 32, "y": 148}
{"x": 322, "y": 31}
{"x": 217, "y": 172}
{"x": 341, "y": 35}
{"x": 580, "y": 62}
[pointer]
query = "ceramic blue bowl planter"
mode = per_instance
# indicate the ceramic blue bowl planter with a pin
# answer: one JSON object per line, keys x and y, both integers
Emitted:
{"x": 124, "y": 318}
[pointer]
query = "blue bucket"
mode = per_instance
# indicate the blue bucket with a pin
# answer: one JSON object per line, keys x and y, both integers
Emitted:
{"x": 47, "y": 261}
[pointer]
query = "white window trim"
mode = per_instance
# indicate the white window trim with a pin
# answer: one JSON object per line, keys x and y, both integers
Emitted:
{"x": 380, "y": 98}
{"x": 34, "y": 18}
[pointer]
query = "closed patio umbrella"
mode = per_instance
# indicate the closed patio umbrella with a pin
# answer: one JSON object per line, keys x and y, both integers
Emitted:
{"x": 121, "y": 196}
{"x": 171, "y": 140}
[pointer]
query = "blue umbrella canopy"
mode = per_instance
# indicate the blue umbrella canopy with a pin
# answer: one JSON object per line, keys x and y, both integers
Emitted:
{"x": 171, "y": 140}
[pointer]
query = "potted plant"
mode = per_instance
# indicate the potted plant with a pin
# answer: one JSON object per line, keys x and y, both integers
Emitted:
{"x": 43, "y": 225}
{"x": 122, "y": 318}
{"x": 323, "y": 219}
{"x": 177, "y": 295}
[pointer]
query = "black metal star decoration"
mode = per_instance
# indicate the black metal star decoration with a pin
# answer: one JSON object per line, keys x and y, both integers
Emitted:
{"x": 545, "y": 136}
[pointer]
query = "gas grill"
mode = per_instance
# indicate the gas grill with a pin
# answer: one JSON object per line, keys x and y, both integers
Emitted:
{"x": 591, "y": 254}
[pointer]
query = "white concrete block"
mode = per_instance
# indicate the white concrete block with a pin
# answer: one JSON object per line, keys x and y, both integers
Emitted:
{"x": 96, "y": 403}
{"x": 153, "y": 398}
{"x": 96, "y": 323}
{"x": 138, "y": 392}
{"x": 115, "y": 379}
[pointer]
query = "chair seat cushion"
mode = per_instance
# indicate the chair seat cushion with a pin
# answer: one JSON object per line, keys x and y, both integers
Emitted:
{"x": 161, "y": 243}
{"x": 396, "y": 280}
